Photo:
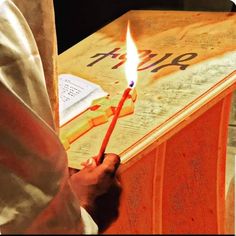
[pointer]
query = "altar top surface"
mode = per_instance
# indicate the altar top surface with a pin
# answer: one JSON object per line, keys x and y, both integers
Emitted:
{"x": 185, "y": 58}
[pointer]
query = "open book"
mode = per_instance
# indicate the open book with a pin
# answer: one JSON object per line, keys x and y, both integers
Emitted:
{"x": 76, "y": 95}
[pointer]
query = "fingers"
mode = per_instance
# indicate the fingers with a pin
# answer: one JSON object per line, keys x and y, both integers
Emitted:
{"x": 89, "y": 163}
{"x": 93, "y": 181}
{"x": 103, "y": 172}
{"x": 111, "y": 161}
{"x": 107, "y": 169}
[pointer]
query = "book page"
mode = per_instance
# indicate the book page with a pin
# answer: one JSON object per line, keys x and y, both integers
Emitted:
{"x": 75, "y": 96}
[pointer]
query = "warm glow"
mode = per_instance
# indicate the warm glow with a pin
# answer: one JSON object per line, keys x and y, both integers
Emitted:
{"x": 132, "y": 59}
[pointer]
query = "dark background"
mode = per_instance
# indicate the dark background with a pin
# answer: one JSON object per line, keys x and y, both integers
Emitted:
{"x": 77, "y": 19}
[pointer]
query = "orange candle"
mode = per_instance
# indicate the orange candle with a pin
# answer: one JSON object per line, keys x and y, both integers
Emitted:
{"x": 131, "y": 66}
{"x": 100, "y": 155}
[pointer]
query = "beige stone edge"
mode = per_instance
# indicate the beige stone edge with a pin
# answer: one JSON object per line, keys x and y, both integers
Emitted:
{"x": 176, "y": 120}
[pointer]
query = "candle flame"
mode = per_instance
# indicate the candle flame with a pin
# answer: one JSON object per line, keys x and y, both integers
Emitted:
{"x": 132, "y": 59}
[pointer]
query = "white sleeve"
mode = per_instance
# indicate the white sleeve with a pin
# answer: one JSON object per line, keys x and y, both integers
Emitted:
{"x": 90, "y": 227}
{"x": 36, "y": 196}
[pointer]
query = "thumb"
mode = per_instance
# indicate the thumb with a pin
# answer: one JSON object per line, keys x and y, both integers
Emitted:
{"x": 89, "y": 163}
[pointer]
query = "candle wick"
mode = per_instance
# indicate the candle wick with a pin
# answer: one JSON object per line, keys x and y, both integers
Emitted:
{"x": 131, "y": 84}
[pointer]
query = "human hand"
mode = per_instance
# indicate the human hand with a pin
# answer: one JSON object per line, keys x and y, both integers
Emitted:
{"x": 98, "y": 189}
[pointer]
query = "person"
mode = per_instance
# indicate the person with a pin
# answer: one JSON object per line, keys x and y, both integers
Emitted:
{"x": 38, "y": 194}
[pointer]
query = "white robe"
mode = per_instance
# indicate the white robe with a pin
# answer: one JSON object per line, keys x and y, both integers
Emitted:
{"x": 35, "y": 194}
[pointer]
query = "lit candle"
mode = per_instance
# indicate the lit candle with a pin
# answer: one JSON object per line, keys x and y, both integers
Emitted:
{"x": 132, "y": 61}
